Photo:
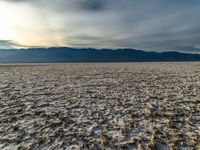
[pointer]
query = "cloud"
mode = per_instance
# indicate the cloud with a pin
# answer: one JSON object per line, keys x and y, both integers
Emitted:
{"x": 17, "y": 1}
{"x": 6, "y": 44}
{"x": 85, "y": 5}
{"x": 92, "y": 5}
{"x": 150, "y": 25}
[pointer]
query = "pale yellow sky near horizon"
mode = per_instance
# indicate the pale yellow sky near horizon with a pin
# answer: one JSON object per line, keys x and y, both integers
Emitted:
{"x": 23, "y": 25}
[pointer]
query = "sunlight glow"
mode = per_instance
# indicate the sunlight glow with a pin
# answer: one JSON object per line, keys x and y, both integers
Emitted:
{"x": 9, "y": 17}
{"x": 20, "y": 23}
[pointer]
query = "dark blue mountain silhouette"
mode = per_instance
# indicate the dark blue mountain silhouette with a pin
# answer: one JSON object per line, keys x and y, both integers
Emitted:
{"x": 66, "y": 54}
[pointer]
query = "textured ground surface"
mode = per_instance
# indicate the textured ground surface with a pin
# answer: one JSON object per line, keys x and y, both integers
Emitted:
{"x": 98, "y": 106}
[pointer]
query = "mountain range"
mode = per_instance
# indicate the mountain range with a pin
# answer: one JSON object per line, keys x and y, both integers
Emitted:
{"x": 67, "y": 54}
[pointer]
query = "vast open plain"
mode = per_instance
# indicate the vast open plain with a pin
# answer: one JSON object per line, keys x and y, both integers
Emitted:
{"x": 100, "y": 106}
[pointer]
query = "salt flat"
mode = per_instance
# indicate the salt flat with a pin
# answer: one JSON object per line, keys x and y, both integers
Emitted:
{"x": 100, "y": 106}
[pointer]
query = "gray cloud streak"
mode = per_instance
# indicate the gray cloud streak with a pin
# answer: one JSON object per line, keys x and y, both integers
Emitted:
{"x": 6, "y": 44}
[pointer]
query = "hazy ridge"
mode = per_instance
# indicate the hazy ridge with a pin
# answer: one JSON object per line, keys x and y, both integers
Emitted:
{"x": 67, "y": 54}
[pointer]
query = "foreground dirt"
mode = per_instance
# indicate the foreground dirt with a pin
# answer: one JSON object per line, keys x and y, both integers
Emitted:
{"x": 100, "y": 106}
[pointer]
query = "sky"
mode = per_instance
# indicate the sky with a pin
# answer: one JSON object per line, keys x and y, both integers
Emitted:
{"x": 152, "y": 25}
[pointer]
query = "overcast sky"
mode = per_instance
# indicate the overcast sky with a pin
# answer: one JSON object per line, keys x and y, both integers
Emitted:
{"x": 160, "y": 25}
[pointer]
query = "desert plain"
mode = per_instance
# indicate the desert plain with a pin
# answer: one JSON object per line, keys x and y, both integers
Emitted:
{"x": 120, "y": 106}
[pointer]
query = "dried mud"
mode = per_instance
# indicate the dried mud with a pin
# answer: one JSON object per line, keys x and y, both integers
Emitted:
{"x": 100, "y": 106}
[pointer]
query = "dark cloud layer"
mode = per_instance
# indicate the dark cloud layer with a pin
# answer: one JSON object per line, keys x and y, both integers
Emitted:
{"x": 142, "y": 24}
{"x": 92, "y": 5}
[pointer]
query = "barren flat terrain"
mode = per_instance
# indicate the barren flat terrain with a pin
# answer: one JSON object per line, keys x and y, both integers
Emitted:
{"x": 100, "y": 106}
